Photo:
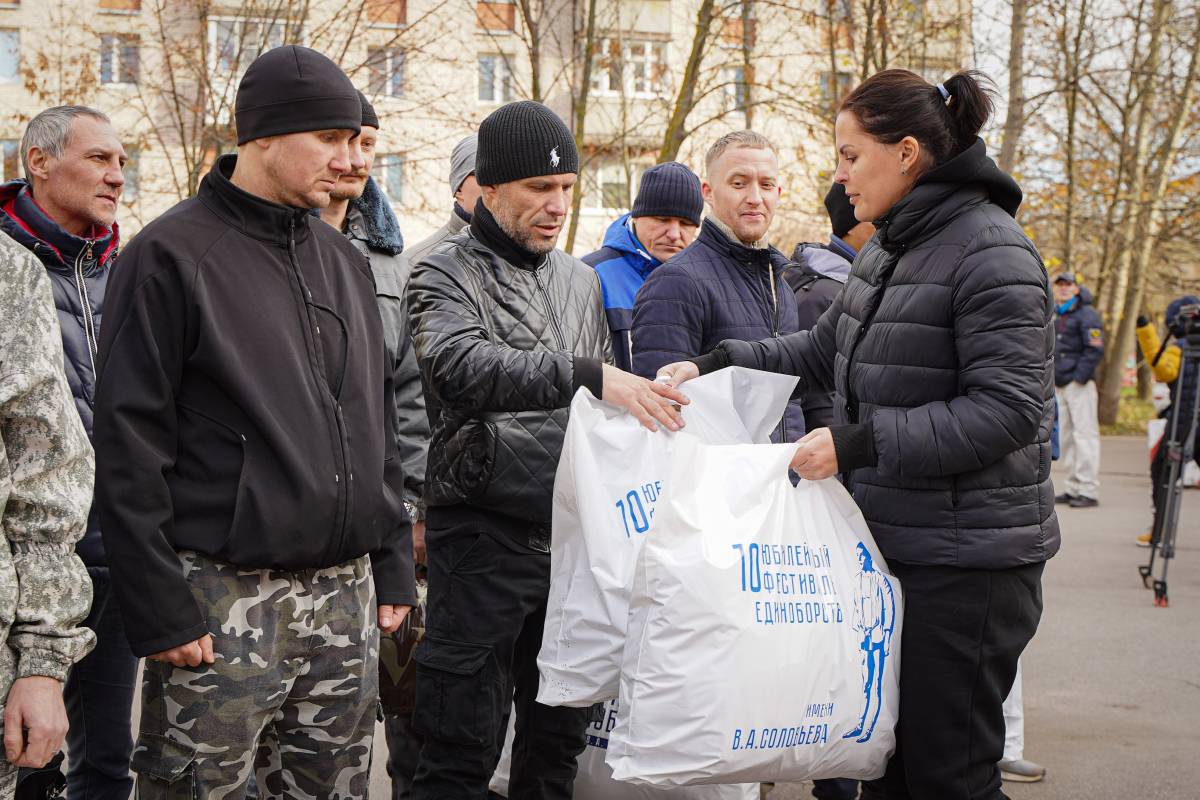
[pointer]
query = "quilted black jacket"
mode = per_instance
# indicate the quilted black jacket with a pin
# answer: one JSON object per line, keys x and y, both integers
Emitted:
{"x": 941, "y": 347}
{"x": 502, "y": 349}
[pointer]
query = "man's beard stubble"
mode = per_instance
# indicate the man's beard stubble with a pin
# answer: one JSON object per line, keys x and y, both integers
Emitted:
{"x": 508, "y": 220}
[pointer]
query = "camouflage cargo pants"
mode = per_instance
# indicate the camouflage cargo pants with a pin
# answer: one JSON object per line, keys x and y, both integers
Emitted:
{"x": 292, "y": 695}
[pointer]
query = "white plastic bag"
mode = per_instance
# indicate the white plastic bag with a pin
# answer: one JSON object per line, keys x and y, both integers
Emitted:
{"x": 594, "y": 780}
{"x": 610, "y": 477}
{"x": 764, "y": 634}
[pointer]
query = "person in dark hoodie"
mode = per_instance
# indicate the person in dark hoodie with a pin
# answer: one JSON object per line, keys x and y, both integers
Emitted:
{"x": 817, "y": 274}
{"x": 1169, "y": 369}
{"x": 252, "y": 498}
{"x": 940, "y": 352}
{"x": 66, "y": 214}
{"x": 1079, "y": 349}
{"x": 507, "y": 329}
{"x": 663, "y": 221}
{"x": 360, "y": 211}
{"x": 729, "y": 282}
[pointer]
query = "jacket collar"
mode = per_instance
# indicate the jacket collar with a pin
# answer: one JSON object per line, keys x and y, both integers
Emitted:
{"x": 622, "y": 238}
{"x": 487, "y": 231}
{"x": 713, "y": 235}
{"x": 253, "y": 216}
{"x": 24, "y": 220}
{"x": 939, "y": 196}
{"x": 377, "y": 225}
{"x": 839, "y": 246}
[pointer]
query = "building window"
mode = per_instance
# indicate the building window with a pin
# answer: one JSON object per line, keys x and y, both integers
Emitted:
{"x": 235, "y": 42}
{"x": 833, "y": 91}
{"x": 10, "y": 159}
{"x": 497, "y": 15}
{"x": 387, "y": 13}
{"x": 120, "y": 59}
{"x": 609, "y": 186}
{"x": 495, "y": 79}
{"x": 10, "y": 56}
{"x": 635, "y": 67}
{"x": 389, "y": 173}
{"x": 121, "y": 5}
{"x": 387, "y": 72}
{"x": 735, "y": 88}
{"x": 132, "y": 189}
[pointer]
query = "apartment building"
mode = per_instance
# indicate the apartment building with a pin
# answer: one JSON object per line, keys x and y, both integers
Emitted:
{"x": 167, "y": 72}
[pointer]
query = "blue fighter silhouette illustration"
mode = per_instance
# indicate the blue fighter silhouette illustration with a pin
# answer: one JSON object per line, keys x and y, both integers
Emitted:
{"x": 874, "y": 619}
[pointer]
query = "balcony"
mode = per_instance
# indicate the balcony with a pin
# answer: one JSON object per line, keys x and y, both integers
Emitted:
{"x": 495, "y": 16}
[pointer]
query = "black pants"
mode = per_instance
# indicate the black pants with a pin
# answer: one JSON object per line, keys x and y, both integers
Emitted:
{"x": 1158, "y": 465}
{"x": 963, "y": 632}
{"x": 99, "y": 701}
{"x": 487, "y": 606}
{"x": 835, "y": 789}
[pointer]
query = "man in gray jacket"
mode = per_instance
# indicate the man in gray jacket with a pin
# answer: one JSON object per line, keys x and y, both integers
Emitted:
{"x": 465, "y": 190}
{"x": 506, "y": 329}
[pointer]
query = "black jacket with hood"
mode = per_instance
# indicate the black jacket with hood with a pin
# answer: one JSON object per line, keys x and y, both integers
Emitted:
{"x": 243, "y": 409}
{"x": 940, "y": 350}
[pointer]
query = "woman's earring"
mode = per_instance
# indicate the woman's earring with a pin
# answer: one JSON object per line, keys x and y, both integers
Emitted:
{"x": 904, "y": 170}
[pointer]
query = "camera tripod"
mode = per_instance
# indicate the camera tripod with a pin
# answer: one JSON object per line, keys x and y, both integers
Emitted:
{"x": 1179, "y": 439}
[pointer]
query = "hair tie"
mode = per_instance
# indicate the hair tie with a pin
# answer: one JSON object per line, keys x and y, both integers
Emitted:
{"x": 944, "y": 92}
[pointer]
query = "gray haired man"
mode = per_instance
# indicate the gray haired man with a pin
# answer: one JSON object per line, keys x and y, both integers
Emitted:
{"x": 466, "y": 192}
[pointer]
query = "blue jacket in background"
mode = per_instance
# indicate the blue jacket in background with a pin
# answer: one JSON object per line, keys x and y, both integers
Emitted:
{"x": 1080, "y": 341}
{"x": 78, "y": 270}
{"x": 622, "y": 265}
{"x": 715, "y": 289}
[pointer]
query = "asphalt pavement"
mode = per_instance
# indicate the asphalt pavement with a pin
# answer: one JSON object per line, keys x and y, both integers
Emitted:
{"x": 1112, "y": 684}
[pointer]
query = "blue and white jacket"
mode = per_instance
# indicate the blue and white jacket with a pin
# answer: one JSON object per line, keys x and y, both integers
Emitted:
{"x": 622, "y": 265}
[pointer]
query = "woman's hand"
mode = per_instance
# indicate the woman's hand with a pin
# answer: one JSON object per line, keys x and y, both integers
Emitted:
{"x": 815, "y": 458}
{"x": 677, "y": 373}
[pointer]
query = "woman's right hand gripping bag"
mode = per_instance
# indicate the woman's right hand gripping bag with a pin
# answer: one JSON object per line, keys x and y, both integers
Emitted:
{"x": 764, "y": 633}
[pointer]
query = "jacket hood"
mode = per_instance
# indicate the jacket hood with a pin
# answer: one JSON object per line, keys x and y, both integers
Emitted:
{"x": 940, "y": 195}
{"x": 382, "y": 227}
{"x": 823, "y": 261}
{"x": 24, "y": 220}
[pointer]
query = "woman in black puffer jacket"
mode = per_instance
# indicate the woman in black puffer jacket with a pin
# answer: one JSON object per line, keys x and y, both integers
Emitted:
{"x": 939, "y": 350}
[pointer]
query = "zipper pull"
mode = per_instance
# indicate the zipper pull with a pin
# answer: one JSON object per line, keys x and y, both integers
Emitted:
{"x": 89, "y": 251}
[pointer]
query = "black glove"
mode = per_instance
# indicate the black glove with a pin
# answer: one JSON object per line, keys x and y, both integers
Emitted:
{"x": 1142, "y": 321}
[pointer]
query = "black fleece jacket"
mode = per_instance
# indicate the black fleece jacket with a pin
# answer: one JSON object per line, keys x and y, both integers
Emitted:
{"x": 243, "y": 409}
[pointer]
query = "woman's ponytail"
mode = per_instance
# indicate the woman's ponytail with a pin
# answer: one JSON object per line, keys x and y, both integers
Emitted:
{"x": 945, "y": 119}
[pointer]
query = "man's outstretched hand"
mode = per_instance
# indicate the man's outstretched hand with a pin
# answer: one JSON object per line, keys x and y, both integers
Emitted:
{"x": 652, "y": 403}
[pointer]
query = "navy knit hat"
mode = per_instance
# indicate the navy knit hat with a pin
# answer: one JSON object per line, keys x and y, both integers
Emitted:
{"x": 369, "y": 117}
{"x": 669, "y": 190}
{"x": 292, "y": 89}
{"x": 841, "y": 213}
{"x": 523, "y": 140}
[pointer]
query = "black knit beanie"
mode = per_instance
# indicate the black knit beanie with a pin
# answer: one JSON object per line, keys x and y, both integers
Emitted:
{"x": 292, "y": 89}
{"x": 841, "y": 213}
{"x": 523, "y": 140}
{"x": 369, "y": 117}
{"x": 669, "y": 190}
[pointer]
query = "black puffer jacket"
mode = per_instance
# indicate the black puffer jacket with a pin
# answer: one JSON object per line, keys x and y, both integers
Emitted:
{"x": 502, "y": 346}
{"x": 940, "y": 351}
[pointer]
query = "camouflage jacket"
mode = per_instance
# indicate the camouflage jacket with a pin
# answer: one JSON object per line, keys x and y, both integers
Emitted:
{"x": 46, "y": 473}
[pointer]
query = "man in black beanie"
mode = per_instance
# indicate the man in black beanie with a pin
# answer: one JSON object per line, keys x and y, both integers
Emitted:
{"x": 663, "y": 221}
{"x": 506, "y": 329}
{"x": 252, "y": 505}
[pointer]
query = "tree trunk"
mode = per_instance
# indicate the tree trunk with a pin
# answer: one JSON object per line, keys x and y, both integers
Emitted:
{"x": 581, "y": 109}
{"x": 1074, "y": 55}
{"x": 1149, "y": 213}
{"x": 748, "y": 32}
{"x": 676, "y": 131}
{"x": 534, "y": 48}
{"x": 1014, "y": 119}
